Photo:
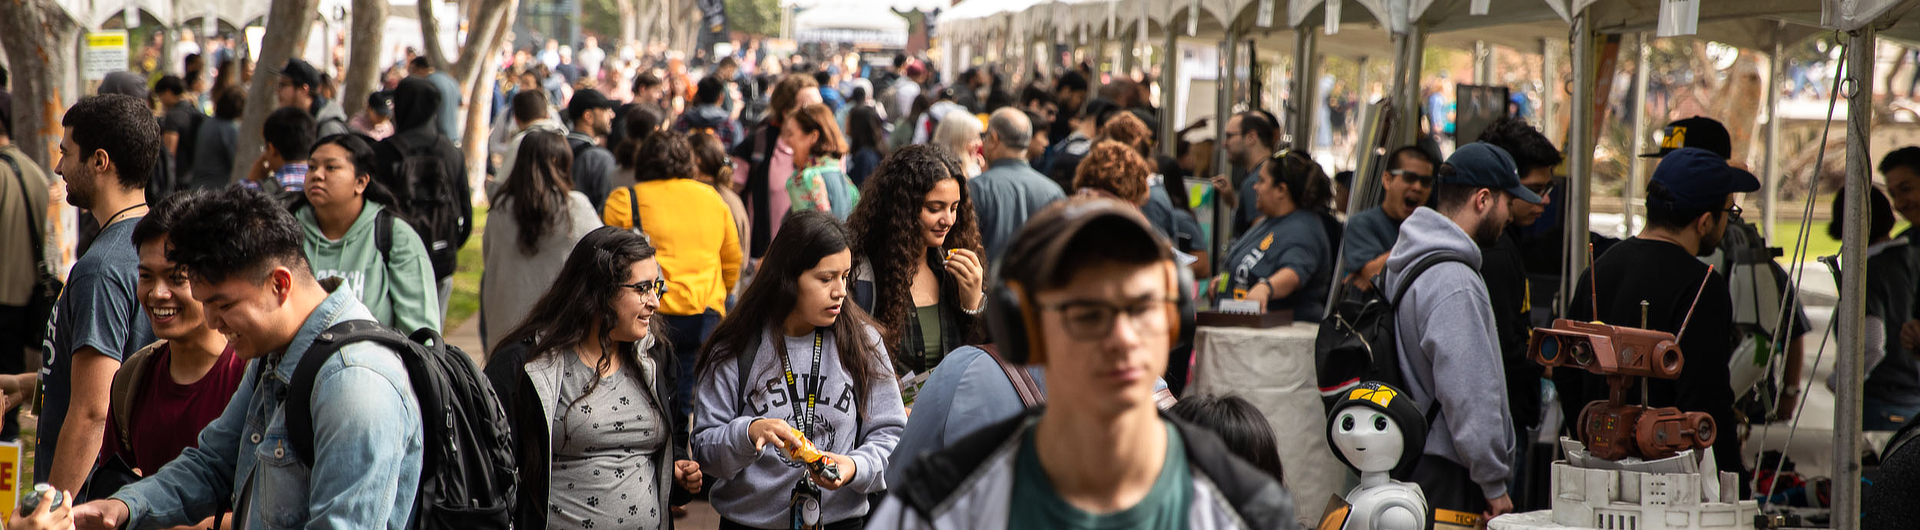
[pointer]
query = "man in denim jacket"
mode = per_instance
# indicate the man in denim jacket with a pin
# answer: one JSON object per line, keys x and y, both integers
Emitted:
{"x": 248, "y": 269}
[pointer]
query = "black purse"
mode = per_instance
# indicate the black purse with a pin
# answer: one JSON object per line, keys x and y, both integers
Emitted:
{"x": 46, "y": 286}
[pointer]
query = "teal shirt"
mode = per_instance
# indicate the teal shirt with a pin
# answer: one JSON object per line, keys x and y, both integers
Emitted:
{"x": 400, "y": 292}
{"x": 1036, "y": 505}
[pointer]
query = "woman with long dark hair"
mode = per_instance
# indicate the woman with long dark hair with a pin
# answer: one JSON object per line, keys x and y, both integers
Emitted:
{"x": 713, "y": 167}
{"x": 1285, "y": 261}
{"x": 1245, "y": 431}
{"x": 538, "y": 218}
{"x": 588, "y": 385}
{"x": 866, "y": 143}
{"x": 918, "y": 248}
{"x": 339, "y": 210}
{"x": 796, "y": 363}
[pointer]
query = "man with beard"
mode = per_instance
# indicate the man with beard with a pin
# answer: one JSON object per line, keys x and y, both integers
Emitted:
{"x": 591, "y": 115}
{"x": 1250, "y": 141}
{"x": 1689, "y": 200}
{"x": 1449, "y": 351}
{"x": 1505, "y": 268}
{"x": 1408, "y": 180}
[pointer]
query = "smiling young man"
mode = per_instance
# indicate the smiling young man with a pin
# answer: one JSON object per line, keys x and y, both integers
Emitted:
{"x": 248, "y": 269}
{"x": 1099, "y": 288}
{"x": 1407, "y": 181}
{"x": 111, "y": 145}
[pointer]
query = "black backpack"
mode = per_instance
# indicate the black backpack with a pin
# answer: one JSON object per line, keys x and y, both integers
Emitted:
{"x": 434, "y": 201}
{"x": 467, "y": 472}
{"x": 1357, "y": 341}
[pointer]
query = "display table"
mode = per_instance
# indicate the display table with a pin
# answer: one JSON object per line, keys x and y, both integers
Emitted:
{"x": 1274, "y": 369}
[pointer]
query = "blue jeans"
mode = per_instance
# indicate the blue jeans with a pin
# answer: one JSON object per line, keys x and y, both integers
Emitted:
{"x": 687, "y": 333}
{"x": 1879, "y": 415}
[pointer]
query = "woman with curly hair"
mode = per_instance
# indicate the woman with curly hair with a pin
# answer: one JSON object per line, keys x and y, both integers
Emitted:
{"x": 918, "y": 248}
{"x": 1113, "y": 170}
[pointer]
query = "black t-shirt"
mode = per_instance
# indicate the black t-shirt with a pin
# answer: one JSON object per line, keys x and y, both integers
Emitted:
{"x": 1505, "y": 273}
{"x": 1668, "y": 278}
{"x": 183, "y": 118}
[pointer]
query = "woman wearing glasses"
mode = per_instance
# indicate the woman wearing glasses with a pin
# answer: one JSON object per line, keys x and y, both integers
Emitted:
{"x": 1286, "y": 259}
{"x": 797, "y": 362}
{"x": 588, "y": 386}
{"x": 699, "y": 247}
{"x": 538, "y": 217}
{"x": 917, "y": 244}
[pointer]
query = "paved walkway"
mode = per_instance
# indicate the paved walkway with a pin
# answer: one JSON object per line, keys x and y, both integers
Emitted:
{"x": 700, "y": 515}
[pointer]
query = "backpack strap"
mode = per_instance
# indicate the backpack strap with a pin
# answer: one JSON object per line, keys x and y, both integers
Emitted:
{"x": 383, "y": 234}
{"x": 633, "y": 209}
{"x": 1412, "y": 274}
{"x": 1023, "y": 383}
{"x": 299, "y": 417}
{"x": 126, "y": 388}
{"x": 743, "y": 364}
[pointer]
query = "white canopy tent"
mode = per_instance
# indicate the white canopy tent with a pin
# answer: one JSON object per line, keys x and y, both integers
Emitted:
{"x": 849, "y": 22}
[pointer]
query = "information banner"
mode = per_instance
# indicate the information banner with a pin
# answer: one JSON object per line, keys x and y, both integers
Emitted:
{"x": 106, "y": 53}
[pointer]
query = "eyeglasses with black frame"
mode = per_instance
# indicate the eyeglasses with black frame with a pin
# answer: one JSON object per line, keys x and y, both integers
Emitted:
{"x": 657, "y": 288}
{"x": 1092, "y": 320}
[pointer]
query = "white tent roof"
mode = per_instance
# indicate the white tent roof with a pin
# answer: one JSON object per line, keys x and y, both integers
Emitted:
{"x": 849, "y": 22}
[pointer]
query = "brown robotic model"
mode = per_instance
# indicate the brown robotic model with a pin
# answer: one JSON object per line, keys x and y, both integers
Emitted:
{"x": 1612, "y": 429}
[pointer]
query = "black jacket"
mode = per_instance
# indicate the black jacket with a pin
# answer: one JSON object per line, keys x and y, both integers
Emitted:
{"x": 956, "y": 327}
{"x": 507, "y": 372}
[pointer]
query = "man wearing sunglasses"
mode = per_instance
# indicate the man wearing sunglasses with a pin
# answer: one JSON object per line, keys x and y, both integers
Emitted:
{"x": 1092, "y": 290}
{"x": 1689, "y": 203}
{"x": 1407, "y": 182}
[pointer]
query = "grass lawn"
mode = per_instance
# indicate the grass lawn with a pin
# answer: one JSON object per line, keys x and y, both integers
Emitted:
{"x": 466, "y": 277}
{"x": 1818, "y": 242}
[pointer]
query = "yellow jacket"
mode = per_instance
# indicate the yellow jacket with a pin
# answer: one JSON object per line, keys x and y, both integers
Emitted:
{"x": 692, "y": 229}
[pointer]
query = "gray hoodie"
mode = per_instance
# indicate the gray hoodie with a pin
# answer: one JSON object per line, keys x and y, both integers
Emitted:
{"x": 1449, "y": 351}
{"x": 753, "y": 487}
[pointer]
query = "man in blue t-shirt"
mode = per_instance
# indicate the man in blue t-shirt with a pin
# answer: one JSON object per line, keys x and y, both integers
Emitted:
{"x": 1407, "y": 182}
{"x": 110, "y": 147}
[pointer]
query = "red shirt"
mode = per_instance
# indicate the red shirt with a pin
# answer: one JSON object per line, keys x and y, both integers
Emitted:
{"x": 168, "y": 415}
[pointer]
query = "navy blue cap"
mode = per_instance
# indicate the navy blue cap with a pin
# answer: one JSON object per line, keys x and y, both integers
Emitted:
{"x": 1484, "y": 165}
{"x": 1700, "y": 179}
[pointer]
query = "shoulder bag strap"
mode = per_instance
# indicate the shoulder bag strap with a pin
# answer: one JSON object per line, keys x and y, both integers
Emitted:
{"x": 633, "y": 209}
{"x": 743, "y": 364}
{"x": 1023, "y": 382}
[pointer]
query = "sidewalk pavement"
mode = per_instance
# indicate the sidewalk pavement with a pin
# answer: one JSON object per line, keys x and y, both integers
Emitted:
{"x": 700, "y": 515}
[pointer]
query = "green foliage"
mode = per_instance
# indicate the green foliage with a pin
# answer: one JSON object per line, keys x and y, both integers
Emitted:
{"x": 754, "y": 17}
{"x": 601, "y": 18}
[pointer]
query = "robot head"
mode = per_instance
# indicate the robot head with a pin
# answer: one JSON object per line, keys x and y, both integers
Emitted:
{"x": 1376, "y": 428}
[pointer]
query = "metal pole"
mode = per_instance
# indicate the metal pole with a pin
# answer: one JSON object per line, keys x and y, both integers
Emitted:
{"x": 1579, "y": 160}
{"x": 1098, "y": 55}
{"x": 1635, "y": 164}
{"x": 1406, "y": 86}
{"x": 1549, "y": 89}
{"x": 1223, "y": 109}
{"x": 1304, "y": 102}
{"x": 1853, "y": 286}
{"x": 1770, "y": 166}
{"x": 1482, "y": 63}
{"x": 1169, "y": 94}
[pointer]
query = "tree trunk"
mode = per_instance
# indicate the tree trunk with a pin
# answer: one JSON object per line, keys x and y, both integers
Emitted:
{"x": 430, "y": 35}
{"x": 479, "y": 52}
{"x": 287, "y": 26}
{"x": 363, "y": 62}
{"x": 629, "y": 20}
{"x": 651, "y": 14}
{"x": 38, "y": 33}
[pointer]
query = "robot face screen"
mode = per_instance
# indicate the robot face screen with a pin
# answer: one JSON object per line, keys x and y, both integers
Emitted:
{"x": 1369, "y": 439}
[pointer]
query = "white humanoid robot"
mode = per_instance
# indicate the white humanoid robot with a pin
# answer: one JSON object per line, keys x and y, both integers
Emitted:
{"x": 1375, "y": 429}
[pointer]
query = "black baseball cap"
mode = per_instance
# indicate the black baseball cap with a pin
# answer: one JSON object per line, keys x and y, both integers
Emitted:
{"x": 300, "y": 73}
{"x": 1700, "y": 179}
{"x": 1698, "y": 132}
{"x": 1484, "y": 165}
{"x": 381, "y": 102}
{"x": 586, "y": 100}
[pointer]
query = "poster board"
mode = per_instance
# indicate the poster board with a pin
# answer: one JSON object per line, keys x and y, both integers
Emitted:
{"x": 106, "y": 52}
{"x": 1477, "y": 109}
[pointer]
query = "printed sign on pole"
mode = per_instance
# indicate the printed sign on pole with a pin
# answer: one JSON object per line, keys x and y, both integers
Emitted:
{"x": 106, "y": 53}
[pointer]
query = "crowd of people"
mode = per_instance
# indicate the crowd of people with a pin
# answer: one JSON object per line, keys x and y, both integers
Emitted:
{"x": 816, "y": 292}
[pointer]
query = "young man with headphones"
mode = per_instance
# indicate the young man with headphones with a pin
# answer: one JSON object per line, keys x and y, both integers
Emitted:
{"x": 1088, "y": 291}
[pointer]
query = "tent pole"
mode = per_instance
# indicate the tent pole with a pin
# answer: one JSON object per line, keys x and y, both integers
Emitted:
{"x": 1482, "y": 63}
{"x": 1223, "y": 110}
{"x": 1770, "y": 166}
{"x": 1549, "y": 91}
{"x": 1169, "y": 94}
{"x": 1302, "y": 105}
{"x": 1853, "y": 287}
{"x": 1579, "y": 160}
{"x": 1406, "y": 85}
{"x": 1636, "y": 165}
{"x": 1098, "y": 56}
